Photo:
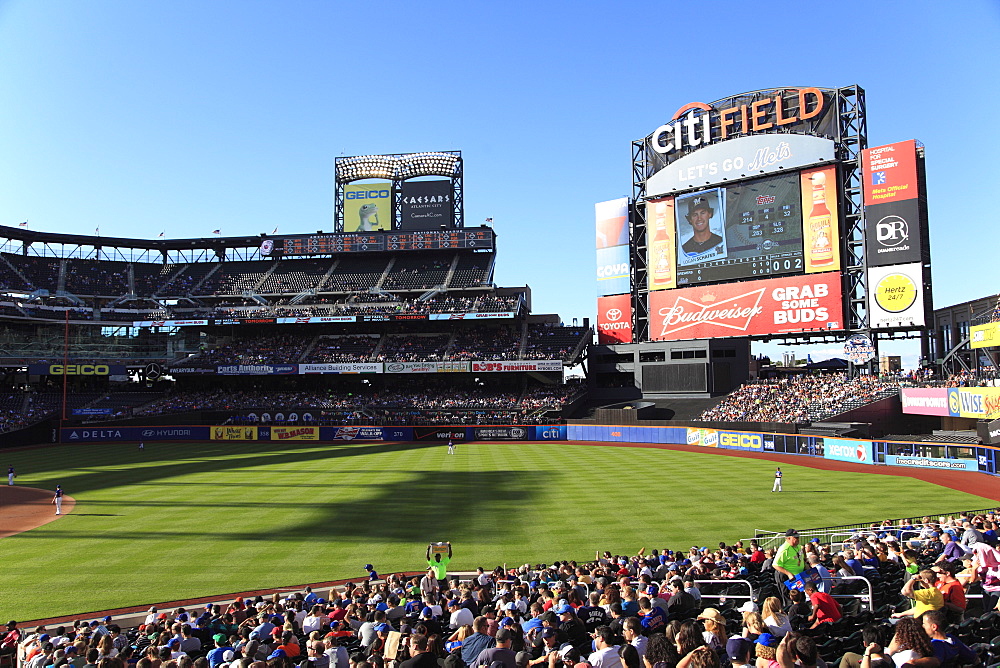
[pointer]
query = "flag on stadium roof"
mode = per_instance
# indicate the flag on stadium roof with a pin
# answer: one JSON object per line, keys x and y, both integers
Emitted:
{"x": 161, "y": 235}
{"x": 97, "y": 230}
{"x": 216, "y": 231}
{"x": 489, "y": 220}
{"x": 275, "y": 230}
{"x": 24, "y": 224}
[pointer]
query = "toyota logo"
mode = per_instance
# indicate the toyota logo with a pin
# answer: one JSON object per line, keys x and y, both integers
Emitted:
{"x": 613, "y": 314}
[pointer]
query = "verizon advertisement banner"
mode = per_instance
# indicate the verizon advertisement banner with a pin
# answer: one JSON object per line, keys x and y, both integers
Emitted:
{"x": 614, "y": 319}
{"x": 757, "y": 308}
{"x": 526, "y": 365}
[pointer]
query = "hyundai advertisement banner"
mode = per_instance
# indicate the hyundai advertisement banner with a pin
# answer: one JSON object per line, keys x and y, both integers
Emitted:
{"x": 613, "y": 270}
{"x": 848, "y": 450}
{"x": 756, "y": 308}
{"x": 614, "y": 319}
{"x": 136, "y": 434}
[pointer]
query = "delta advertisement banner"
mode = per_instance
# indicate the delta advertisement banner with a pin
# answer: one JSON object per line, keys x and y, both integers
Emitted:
{"x": 341, "y": 367}
{"x": 757, "y": 308}
{"x": 612, "y": 223}
{"x": 526, "y": 365}
{"x": 614, "y": 319}
{"x": 925, "y": 401}
{"x": 77, "y": 369}
{"x": 892, "y": 204}
{"x": 727, "y": 161}
{"x": 136, "y": 434}
{"x": 613, "y": 271}
{"x": 896, "y": 296}
{"x": 257, "y": 369}
{"x": 426, "y": 205}
{"x": 234, "y": 433}
{"x": 932, "y": 463}
{"x": 368, "y": 207}
{"x": 426, "y": 367}
{"x": 848, "y": 450}
{"x": 294, "y": 433}
{"x": 985, "y": 336}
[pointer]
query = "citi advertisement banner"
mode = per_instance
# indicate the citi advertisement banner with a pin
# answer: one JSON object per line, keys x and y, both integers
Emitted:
{"x": 893, "y": 222}
{"x": 342, "y": 367}
{"x": 368, "y": 207}
{"x": 933, "y": 463}
{"x": 426, "y": 367}
{"x": 612, "y": 223}
{"x": 426, "y": 205}
{"x": 556, "y": 432}
{"x": 614, "y": 319}
{"x": 755, "y": 308}
{"x": 896, "y": 296}
{"x": 502, "y": 366}
{"x": 925, "y": 401}
{"x": 844, "y": 450}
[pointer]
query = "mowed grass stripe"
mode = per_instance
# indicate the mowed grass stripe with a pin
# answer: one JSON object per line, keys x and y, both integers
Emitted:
{"x": 191, "y": 520}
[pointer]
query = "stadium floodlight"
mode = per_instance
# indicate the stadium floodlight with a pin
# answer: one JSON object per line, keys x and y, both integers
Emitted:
{"x": 366, "y": 167}
{"x": 427, "y": 164}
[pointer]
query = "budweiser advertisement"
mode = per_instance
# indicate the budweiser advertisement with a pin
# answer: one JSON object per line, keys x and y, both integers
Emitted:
{"x": 614, "y": 319}
{"x": 756, "y": 308}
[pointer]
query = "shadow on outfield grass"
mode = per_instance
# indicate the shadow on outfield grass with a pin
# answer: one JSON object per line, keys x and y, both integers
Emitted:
{"x": 458, "y": 504}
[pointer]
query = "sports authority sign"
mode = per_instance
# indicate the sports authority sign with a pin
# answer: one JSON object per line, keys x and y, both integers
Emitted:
{"x": 614, "y": 319}
{"x": 756, "y": 308}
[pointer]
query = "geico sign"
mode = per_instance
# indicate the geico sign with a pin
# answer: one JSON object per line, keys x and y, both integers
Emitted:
{"x": 80, "y": 369}
{"x": 691, "y": 125}
{"x": 366, "y": 194}
{"x": 753, "y": 441}
{"x": 609, "y": 270}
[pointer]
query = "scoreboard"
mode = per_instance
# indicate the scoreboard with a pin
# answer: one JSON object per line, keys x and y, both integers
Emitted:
{"x": 325, "y": 244}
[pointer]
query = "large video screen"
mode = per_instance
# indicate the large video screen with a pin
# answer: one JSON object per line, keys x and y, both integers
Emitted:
{"x": 740, "y": 231}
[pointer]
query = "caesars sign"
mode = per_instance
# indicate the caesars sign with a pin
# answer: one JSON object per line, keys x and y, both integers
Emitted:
{"x": 757, "y": 308}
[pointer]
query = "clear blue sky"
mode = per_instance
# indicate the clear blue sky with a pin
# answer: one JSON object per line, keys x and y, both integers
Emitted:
{"x": 186, "y": 116}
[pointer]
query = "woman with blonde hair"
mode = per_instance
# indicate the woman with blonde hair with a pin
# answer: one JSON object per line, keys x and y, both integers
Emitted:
{"x": 775, "y": 619}
{"x": 753, "y": 625}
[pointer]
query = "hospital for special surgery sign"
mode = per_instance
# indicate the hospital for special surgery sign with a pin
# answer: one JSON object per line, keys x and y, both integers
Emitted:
{"x": 757, "y": 308}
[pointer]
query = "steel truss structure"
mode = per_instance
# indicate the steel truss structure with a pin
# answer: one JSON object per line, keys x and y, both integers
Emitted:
{"x": 851, "y": 139}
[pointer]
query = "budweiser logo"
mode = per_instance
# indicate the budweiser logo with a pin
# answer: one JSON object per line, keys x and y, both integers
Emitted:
{"x": 735, "y": 313}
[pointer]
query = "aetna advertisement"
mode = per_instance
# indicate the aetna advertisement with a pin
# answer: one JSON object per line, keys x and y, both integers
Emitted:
{"x": 892, "y": 204}
{"x": 426, "y": 205}
{"x": 756, "y": 308}
{"x": 614, "y": 319}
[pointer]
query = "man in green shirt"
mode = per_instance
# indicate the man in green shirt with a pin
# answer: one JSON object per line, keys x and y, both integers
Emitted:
{"x": 788, "y": 562}
{"x": 439, "y": 564}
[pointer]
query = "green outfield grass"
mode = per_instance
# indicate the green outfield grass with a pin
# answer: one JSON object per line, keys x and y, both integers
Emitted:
{"x": 181, "y": 521}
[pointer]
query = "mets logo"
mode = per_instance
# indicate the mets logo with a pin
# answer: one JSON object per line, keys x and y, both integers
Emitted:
{"x": 613, "y": 314}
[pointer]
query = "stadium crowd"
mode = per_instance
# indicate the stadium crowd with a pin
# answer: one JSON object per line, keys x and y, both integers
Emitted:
{"x": 804, "y": 398}
{"x": 932, "y": 605}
